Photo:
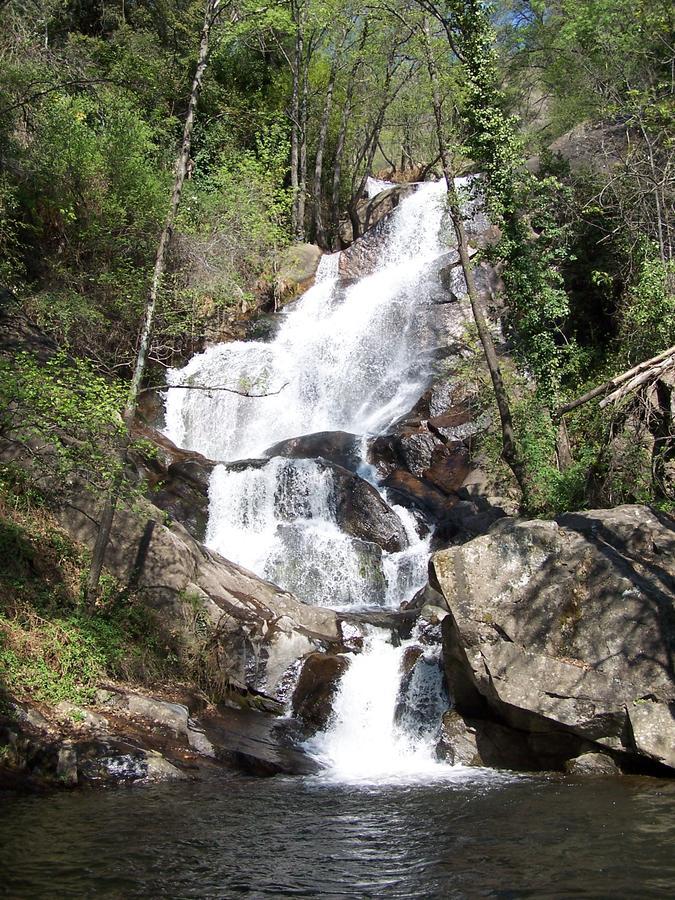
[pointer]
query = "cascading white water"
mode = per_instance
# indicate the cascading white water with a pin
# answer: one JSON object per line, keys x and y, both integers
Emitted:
{"x": 345, "y": 358}
{"x": 379, "y": 733}
{"x": 375, "y": 186}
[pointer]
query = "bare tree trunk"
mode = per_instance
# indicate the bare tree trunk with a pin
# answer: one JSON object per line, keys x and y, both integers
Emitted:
{"x": 616, "y": 382}
{"x": 342, "y": 137}
{"x": 655, "y": 191}
{"x": 108, "y": 512}
{"x": 337, "y": 167}
{"x": 510, "y": 453}
{"x": 368, "y": 150}
{"x": 302, "y": 165}
{"x": 319, "y": 231}
{"x": 295, "y": 121}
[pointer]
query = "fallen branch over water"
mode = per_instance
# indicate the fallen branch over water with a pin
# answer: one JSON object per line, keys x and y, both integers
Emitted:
{"x": 206, "y": 387}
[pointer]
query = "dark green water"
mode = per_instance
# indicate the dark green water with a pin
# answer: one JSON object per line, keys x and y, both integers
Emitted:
{"x": 283, "y": 837}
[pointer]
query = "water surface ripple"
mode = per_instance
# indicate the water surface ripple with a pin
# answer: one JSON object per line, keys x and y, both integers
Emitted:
{"x": 284, "y": 837}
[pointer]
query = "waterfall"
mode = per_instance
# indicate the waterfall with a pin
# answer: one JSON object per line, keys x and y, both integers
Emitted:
{"x": 350, "y": 358}
{"x": 344, "y": 358}
{"x": 366, "y": 740}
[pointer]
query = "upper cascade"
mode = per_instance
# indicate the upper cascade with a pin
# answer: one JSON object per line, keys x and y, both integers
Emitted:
{"x": 344, "y": 358}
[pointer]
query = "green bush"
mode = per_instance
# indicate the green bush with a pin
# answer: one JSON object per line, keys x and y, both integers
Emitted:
{"x": 647, "y": 313}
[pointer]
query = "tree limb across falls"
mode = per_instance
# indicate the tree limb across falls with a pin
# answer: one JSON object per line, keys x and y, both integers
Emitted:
{"x": 206, "y": 387}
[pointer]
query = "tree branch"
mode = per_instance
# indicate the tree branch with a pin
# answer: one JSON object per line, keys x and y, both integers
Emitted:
{"x": 206, "y": 387}
{"x": 616, "y": 382}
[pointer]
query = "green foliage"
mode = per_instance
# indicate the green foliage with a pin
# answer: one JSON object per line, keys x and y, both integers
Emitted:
{"x": 64, "y": 404}
{"x": 647, "y": 312}
{"x": 232, "y": 223}
{"x": 52, "y": 647}
{"x": 92, "y": 197}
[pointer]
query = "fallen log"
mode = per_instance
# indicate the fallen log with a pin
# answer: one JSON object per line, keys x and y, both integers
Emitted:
{"x": 667, "y": 357}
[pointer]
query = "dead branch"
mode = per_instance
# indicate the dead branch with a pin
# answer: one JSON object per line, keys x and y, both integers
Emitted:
{"x": 650, "y": 374}
{"x": 206, "y": 387}
{"x": 618, "y": 380}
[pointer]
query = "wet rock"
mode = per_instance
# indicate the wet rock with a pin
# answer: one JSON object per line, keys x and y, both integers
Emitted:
{"x": 592, "y": 764}
{"x": 371, "y": 211}
{"x": 422, "y": 698}
{"x": 296, "y": 271}
{"x": 427, "y": 596}
{"x": 114, "y": 762}
{"x": 177, "y": 481}
{"x": 411, "y": 491}
{"x": 434, "y": 615}
{"x": 258, "y": 743}
{"x": 337, "y": 447}
{"x": 66, "y": 764}
{"x": 457, "y": 743}
{"x": 160, "y": 769}
{"x": 363, "y": 513}
{"x": 362, "y": 257}
{"x": 316, "y": 689}
{"x": 398, "y": 622}
{"x": 302, "y": 561}
{"x": 410, "y": 657}
{"x": 360, "y": 510}
{"x": 566, "y": 629}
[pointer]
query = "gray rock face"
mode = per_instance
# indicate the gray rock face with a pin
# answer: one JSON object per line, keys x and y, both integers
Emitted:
{"x": 338, "y": 447}
{"x": 317, "y": 686}
{"x": 567, "y": 626}
{"x": 297, "y": 268}
{"x": 457, "y": 744}
{"x": 370, "y": 212}
{"x": 363, "y": 513}
{"x": 592, "y": 764}
{"x": 176, "y": 480}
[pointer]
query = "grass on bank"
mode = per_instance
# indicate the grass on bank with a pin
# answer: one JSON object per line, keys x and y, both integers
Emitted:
{"x": 52, "y": 646}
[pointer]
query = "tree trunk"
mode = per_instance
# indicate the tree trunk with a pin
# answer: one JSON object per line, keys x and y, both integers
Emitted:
{"x": 302, "y": 164}
{"x": 368, "y": 151}
{"x": 319, "y": 232}
{"x": 615, "y": 382}
{"x": 108, "y": 512}
{"x": 295, "y": 122}
{"x": 337, "y": 167}
{"x": 510, "y": 453}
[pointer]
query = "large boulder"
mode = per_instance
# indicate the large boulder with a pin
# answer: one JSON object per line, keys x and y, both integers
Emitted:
{"x": 338, "y": 447}
{"x": 175, "y": 480}
{"x": 296, "y": 271}
{"x": 566, "y": 628}
{"x": 363, "y": 513}
{"x": 595, "y": 147}
{"x": 316, "y": 688}
{"x": 358, "y": 507}
{"x": 372, "y": 210}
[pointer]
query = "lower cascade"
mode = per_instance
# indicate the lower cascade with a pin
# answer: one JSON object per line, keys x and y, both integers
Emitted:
{"x": 349, "y": 359}
{"x": 383, "y": 727}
